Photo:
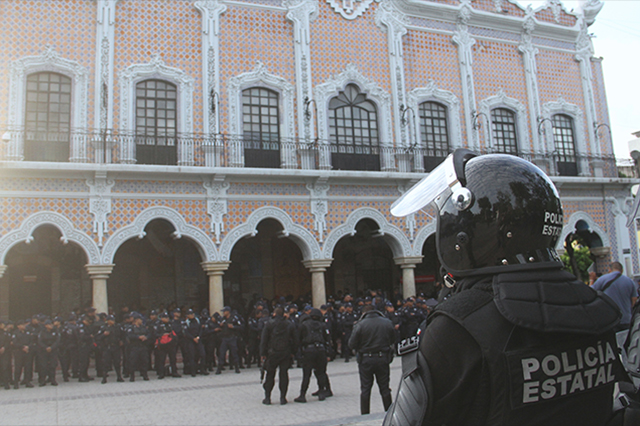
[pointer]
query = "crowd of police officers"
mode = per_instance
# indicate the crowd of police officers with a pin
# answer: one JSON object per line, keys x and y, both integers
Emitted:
{"x": 139, "y": 343}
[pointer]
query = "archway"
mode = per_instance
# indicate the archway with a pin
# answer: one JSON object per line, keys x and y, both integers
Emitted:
{"x": 581, "y": 246}
{"x": 363, "y": 260}
{"x": 158, "y": 271}
{"x": 427, "y": 273}
{"x": 46, "y": 275}
{"x": 267, "y": 264}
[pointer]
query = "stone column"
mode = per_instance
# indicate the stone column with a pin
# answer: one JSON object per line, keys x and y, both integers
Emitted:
{"x": 408, "y": 264}
{"x": 215, "y": 271}
{"x": 99, "y": 275}
{"x": 4, "y": 295}
{"x": 317, "y": 267}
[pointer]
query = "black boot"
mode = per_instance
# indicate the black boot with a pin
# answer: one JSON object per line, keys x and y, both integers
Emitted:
{"x": 104, "y": 379}
{"x": 267, "y": 398}
{"x": 301, "y": 398}
{"x": 386, "y": 402}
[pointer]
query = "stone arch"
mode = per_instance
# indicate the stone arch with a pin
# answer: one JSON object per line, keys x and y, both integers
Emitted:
{"x": 182, "y": 229}
{"x": 422, "y": 235}
{"x": 64, "y": 225}
{"x": 398, "y": 242}
{"x": 571, "y": 226}
{"x": 304, "y": 239}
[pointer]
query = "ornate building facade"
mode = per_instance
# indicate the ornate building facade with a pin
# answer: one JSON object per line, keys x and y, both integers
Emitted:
{"x": 203, "y": 152}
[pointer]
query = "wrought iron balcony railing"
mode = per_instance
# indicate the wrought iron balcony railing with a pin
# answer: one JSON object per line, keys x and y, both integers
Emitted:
{"x": 220, "y": 150}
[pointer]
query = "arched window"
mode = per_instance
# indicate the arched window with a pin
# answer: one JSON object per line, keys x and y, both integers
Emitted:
{"x": 564, "y": 144}
{"x": 503, "y": 131}
{"x": 48, "y": 117}
{"x": 156, "y": 122}
{"x": 261, "y": 127}
{"x": 353, "y": 131}
{"x": 434, "y": 133}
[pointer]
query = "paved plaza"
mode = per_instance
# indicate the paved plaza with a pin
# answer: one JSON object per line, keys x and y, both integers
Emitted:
{"x": 226, "y": 399}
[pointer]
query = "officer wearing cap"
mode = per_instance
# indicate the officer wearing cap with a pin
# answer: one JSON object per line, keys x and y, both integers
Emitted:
{"x": 127, "y": 323}
{"x": 347, "y": 321}
{"x": 5, "y": 357}
{"x": 48, "y": 343}
{"x": 138, "y": 335}
{"x": 85, "y": 346}
{"x": 195, "y": 348}
{"x": 69, "y": 348}
{"x": 229, "y": 327}
{"x": 109, "y": 341}
{"x": 521, "y": 341}
{"x": 167, "y": 343}
{"x": 22, "y": 343}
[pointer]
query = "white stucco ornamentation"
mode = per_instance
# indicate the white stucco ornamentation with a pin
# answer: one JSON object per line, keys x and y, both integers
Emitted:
{"x": 563, "y": 107}
{"x": 100, "y": 203}
{"x": 570, "y": 227}
{"x": 304, "y": 239}
{"x": 326, "y": 91}
{"x": 421, "y": 237}
{"x": 501, "y": 100}
{"x": 136, "y": 230}
{"x": 217, "y": 203}
{"x": 393, "y": 236}
{"x": 319, "y": 205}
{"x": 529, "y": 53}
{"x": 260, "y": 77}
{"x": 350, "y": 9}
{"x": 105, "y": 48}
{"x": 64, "y": 225}
{"x": 50, "y": 61}
{"x": 210, "y": 11}
{"x": 157, "y": 69}
{"x": 584, "y": 53}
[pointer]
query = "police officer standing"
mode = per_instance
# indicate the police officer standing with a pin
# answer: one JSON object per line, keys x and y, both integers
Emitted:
{"x": 373, "y": 339}
{"x": 48, "y": 343}
{"x": 195, "y": 351}
{"x": 109, "y": 341}
{"x": 521, "y": 341}
{"x": 347, "y": 321}
{"x": 85, "y": 346}
{"x": 315, "y": 343}
{"x": 138, "y": 335}
{"x": 5, "y": 357}
{"x": 230, "y": 327}
{"x": 23, "y": 347}
{"x": 277, "y": 347}
{"x": 69, "y": 348}
{"x": 167, "y": 344}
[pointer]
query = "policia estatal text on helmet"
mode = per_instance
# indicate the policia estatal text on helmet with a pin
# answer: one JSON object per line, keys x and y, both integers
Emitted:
{"x": 521, "y": 341}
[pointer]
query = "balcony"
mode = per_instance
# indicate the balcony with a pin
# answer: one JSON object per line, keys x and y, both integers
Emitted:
{"x": 220, "y": 150}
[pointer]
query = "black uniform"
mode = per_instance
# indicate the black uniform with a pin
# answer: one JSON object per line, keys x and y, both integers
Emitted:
{"x": 138, "y": 353}
{"x": 314, "y": 343}
{"x": 167, "y": 344}
{"x": 69, "y": 351}
{"x": 5, "y": 359}
{"x": 86, "y": 345}
{"x": 278, "y": 344}
{"x": 24, "y": 346}
{"x": 373, "y": 339}
{"x": 195, "y": 362}
{"x": 229, "y": 341}
{"x": 48, "y": 344}
{"x": 209, "y": 339}
{"x": 109, "y": 341}
{"x": 347, "y": 321}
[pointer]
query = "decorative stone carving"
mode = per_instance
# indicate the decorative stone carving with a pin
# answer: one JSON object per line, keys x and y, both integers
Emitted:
{"x": 529, "y": 53}
{"x": 301, "y": 13}
{"x": 210, "y": 11}
{"x": 350, "y": 9}
{"x": 260, "y": 77}
{"x": 590, "y": 10}
{"x": 584, "y": 53}
{"x": 502, "y": 100}
{"x": 398, "y": 242}
{"x": 156, "y": 68}
{"x": 217, "y": 203}
{"x": 25, "y": 234}
{"x": 48, "y": 61}
{"x": 431, "y": 92}
{"x": 323, "y": 94}
{"x": 319, "y": 205}
{"x": 570, "y": 227}
{"x": 563, "y": 107}
{"x": 136, "y": 230}
{"x": 304, "y": 239}
{"x": 100, "y": 203}
{"x": 465, "y": 43}
{"x": 105, "y": 43}
{"x": 394, "y": 23}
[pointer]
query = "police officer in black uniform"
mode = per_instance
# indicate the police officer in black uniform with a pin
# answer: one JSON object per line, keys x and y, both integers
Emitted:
{"x": 167, "y": 344}
{"x": 109, "y": 341}
{"x": 315, "y": 344}
{"x": 520, "y": 341}
{"x": 5, "y": 357}
{"x": 347, "y": 321}
{"x": 86, "y": 342}
{"x": 69, "y": 348}
{"x": 195, "y": 349}
{"x": 230, "y": 326}
{"x": 138, "y": 335}
{"x": 277, "y": 347}
{"x": 48, "y": 343}
{"x": 23, "y": 345}
{"x": 373, "y": 339}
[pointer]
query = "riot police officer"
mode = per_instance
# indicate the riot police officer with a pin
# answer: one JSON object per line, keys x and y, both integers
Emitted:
{"x": 347, "y": 321}
{"x": 315, "y": 345}
{"x": 278, "y": 345}
{"x": 510, "y": 346}
{"x": 109, "y": 341}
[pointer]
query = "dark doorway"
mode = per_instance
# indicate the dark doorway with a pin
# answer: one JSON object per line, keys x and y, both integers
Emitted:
{"x": 46, "y": 276}
{"x": 158, "y": 271}
{"x": 363, "y": 261}
{"x": 267, "y": 265}
{"x": 427, "y": 273}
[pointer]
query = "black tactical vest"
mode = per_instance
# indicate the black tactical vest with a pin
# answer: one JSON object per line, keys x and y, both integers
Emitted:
{"x": 549, "y": 352}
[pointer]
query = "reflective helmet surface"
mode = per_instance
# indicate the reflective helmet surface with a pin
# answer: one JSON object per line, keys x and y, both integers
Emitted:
{"x": 507, "y": 216}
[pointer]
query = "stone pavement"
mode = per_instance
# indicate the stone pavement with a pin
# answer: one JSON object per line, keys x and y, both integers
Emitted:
{"x": 227, "y": 399}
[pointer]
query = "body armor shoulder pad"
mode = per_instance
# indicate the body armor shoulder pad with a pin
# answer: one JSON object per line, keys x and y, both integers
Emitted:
{"x": 412, "y": 402}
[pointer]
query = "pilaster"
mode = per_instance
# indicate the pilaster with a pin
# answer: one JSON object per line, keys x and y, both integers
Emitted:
{"x": 584, "y": 49}
{"x": 317, "y": 267}
{"x": 529, "y": 53}
{"x": 99, "y": 275}
{"x": 105, "y": 43}
{"x": 215, "y": 271}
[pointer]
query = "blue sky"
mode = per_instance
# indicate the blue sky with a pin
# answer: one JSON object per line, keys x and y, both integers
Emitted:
{"x": 617, "y": 40}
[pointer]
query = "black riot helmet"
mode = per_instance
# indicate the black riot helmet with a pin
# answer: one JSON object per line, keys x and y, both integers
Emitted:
{"x": 496, "y": 213}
